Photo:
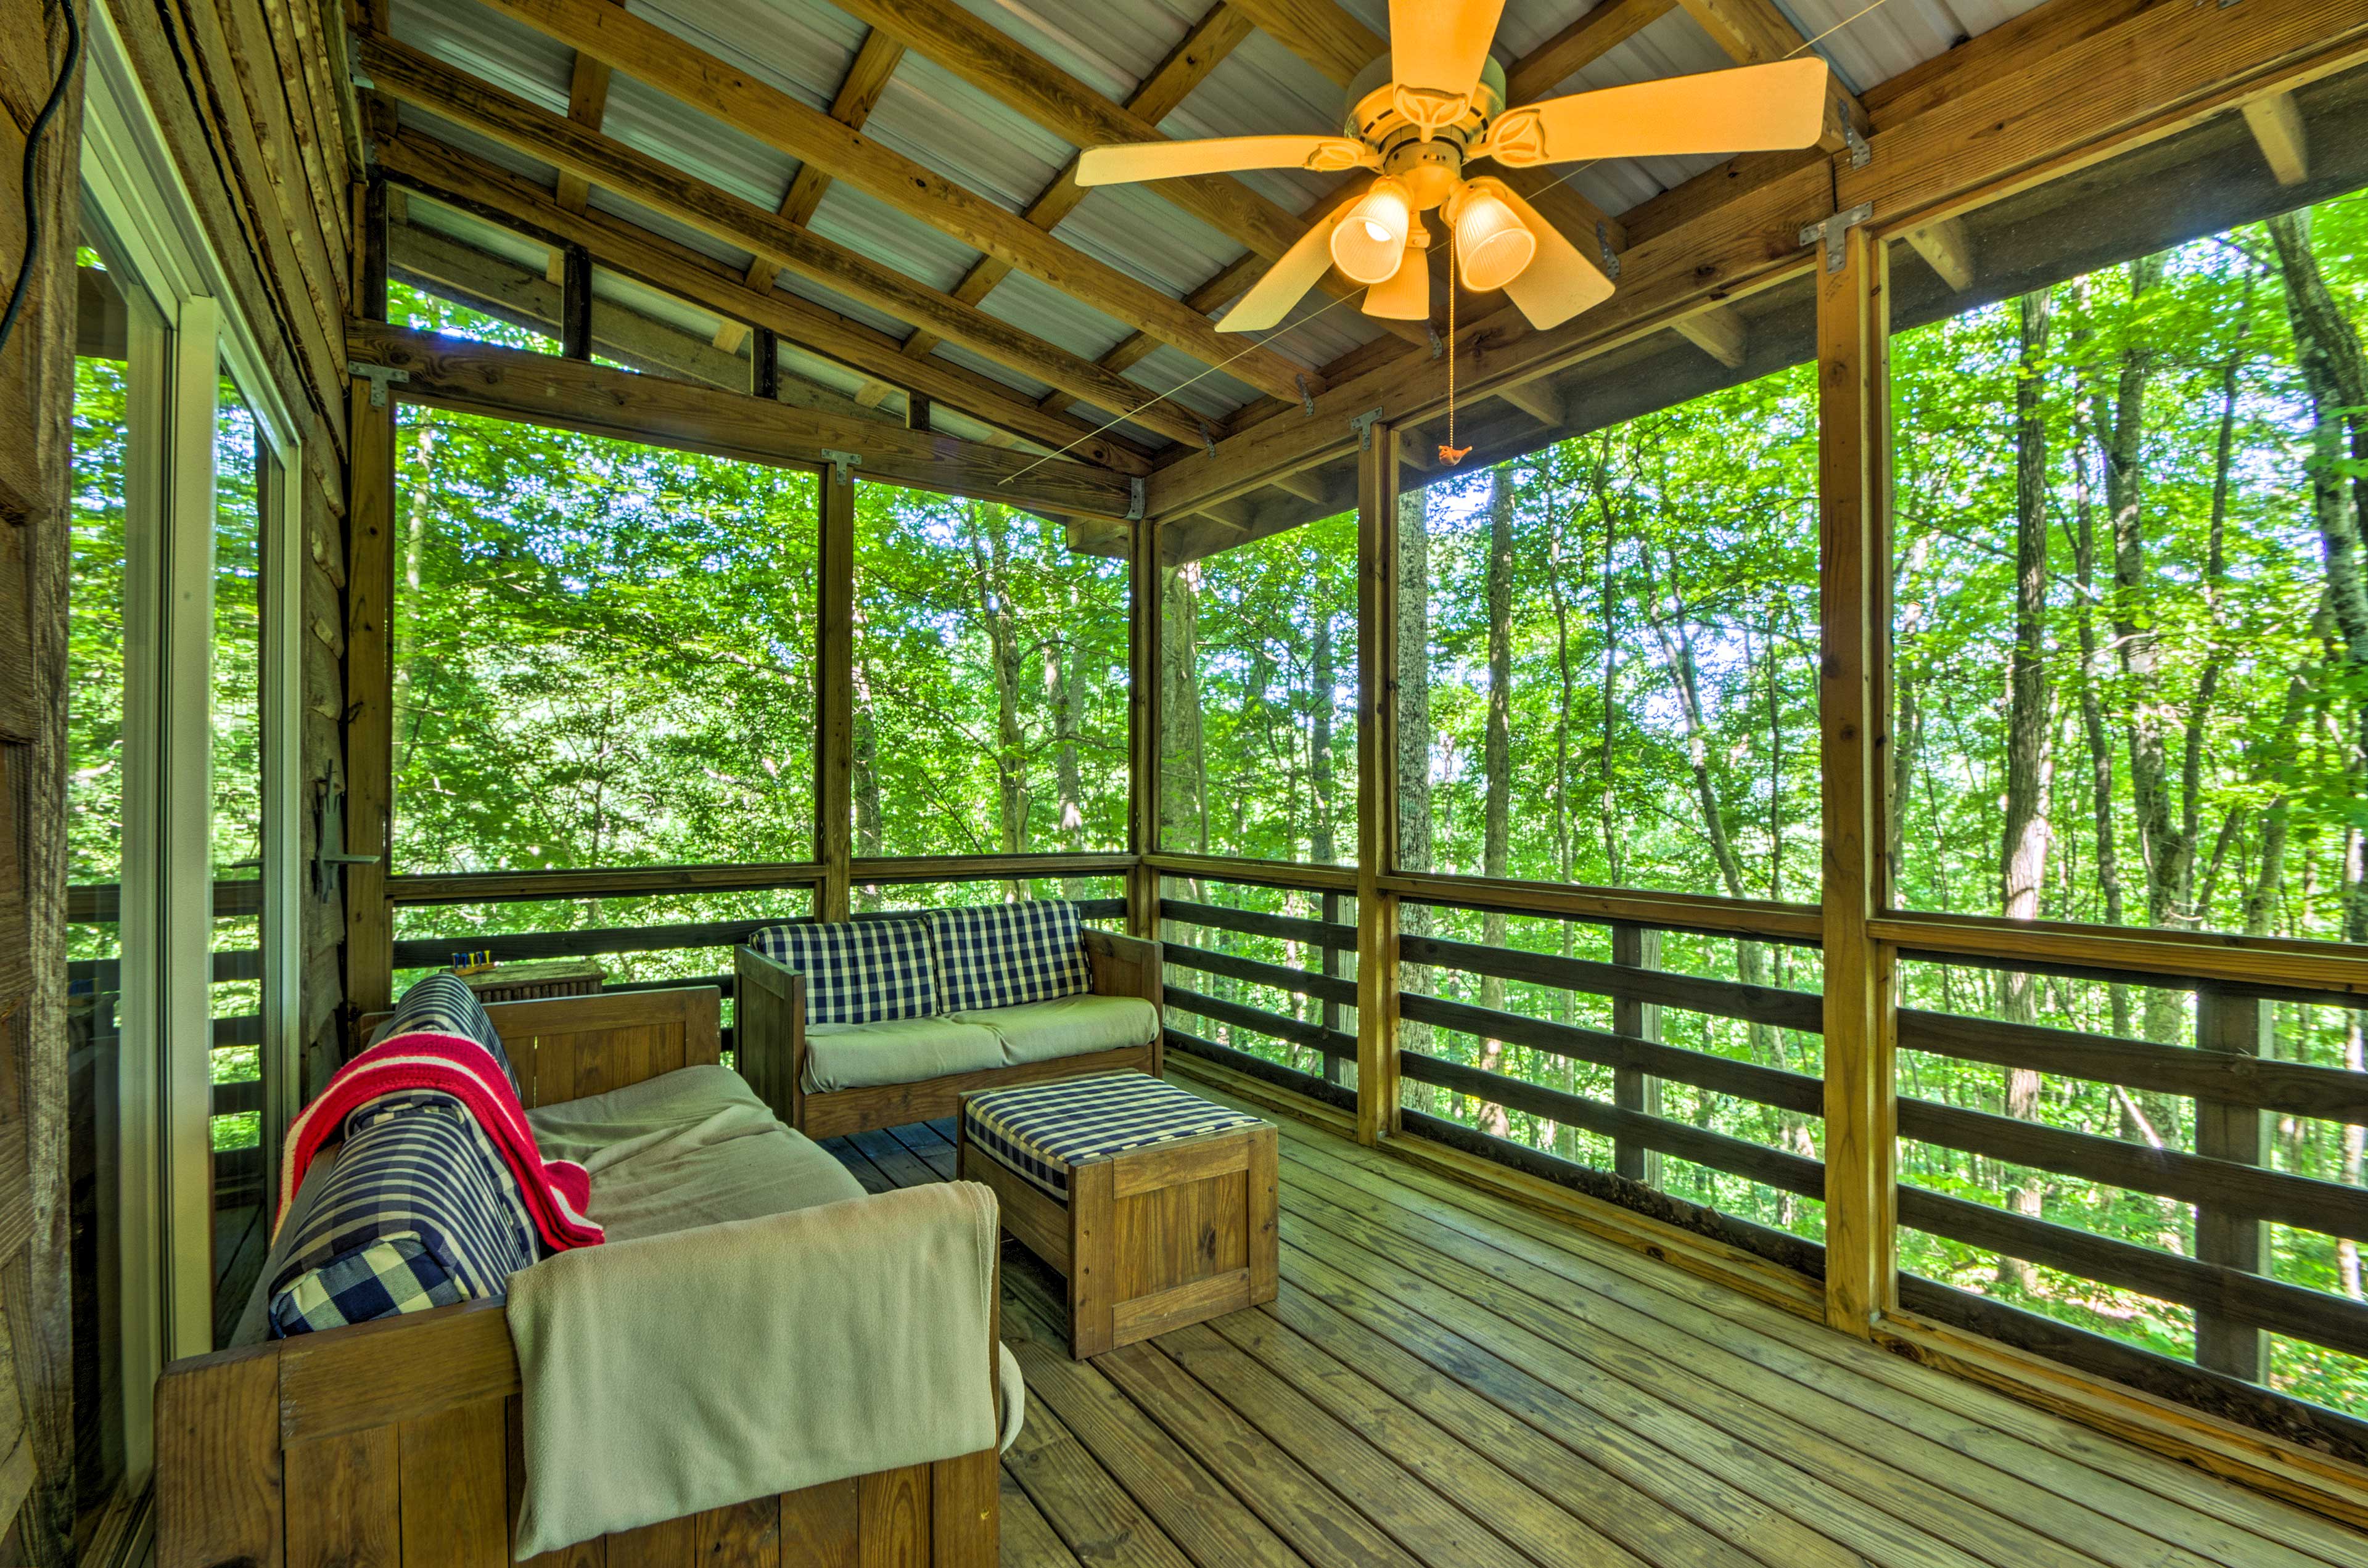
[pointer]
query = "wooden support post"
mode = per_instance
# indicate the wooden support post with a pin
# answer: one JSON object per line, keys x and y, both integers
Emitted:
{"x": 1145, "y": 611}
{"x": 1333, "y": 1071}
{"x": 835, "y": 693}
{"x": 575, "y": 302}
{"x": 1854, "y": 577}
{"x": 370, "y": 641}
{"x": 917, "y": 411}
{"x": 1637, "y": 946}
{"x": 1377, "y": 775}
{"x": 2241, "y": 1026}
{"x": 765, "y": 363}
{"x": 369, "y": 249}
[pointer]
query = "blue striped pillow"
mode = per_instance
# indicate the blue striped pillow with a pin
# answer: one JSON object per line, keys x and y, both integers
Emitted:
{"x": 1001, "y": 955}
{"x": 856, "y": 971}
{"x": 419, "y": 1212}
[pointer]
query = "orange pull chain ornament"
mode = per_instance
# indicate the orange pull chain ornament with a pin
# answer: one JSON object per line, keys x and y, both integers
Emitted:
{"x": 1449, "y": 452}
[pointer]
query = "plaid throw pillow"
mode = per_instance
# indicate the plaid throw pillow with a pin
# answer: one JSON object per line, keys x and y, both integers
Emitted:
{"x": 1000, "y": 955}
{"x": 419, "y": 1213}
{"x": 856, "y": 971}
{"x": 443, "y": 1003}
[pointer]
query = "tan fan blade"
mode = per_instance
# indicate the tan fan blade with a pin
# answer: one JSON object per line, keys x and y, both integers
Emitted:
{"x": 1559, "y": 282}
{"x": 1753, "y": 108}
{"x": 1441, "y": 45}
{"x": 1166, "y": 160}
{"x": 1294, "y": 272}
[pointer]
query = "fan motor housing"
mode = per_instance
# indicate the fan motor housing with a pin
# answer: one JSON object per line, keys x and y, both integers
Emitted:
{"x": 1374, "y": 118}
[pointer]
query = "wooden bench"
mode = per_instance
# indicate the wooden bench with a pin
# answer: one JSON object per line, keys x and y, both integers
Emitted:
{"x": 396, "y": 1443}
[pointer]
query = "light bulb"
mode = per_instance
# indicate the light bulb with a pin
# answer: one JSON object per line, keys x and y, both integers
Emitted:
{"x": 1406, "y": 295}
{"x": 1492, "y": 243}
{"x": 1366, "y": 244}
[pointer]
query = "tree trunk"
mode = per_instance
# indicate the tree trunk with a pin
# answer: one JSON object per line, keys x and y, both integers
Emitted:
{"x": 1497, "y": 758}
{"x": 2092, "y": 711}
{"x": 1615, "y": 859}
{"x": 1323, "y": 677}
{"x": 864, "y": 764}
{"x": 1064, "y": 657}
{"x": 1183, "y": 780}
{"x": 2030, "y": 762}
{"x": 1003, "y": 647}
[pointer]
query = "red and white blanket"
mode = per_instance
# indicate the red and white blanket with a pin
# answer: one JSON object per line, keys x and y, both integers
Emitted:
{"x": 554, "y": 1192}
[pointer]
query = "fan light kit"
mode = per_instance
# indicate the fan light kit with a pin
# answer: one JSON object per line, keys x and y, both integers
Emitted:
{"x": 1435, "y": 103}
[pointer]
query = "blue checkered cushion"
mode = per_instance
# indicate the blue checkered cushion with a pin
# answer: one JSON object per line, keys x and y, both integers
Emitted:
{"x": 1041, "y": 1131}
{"x": 856, "y": 971}
{"x": 443, "y": 1003}
{"x": 419, "y": 1212}
{"x": 1001, "y": 955}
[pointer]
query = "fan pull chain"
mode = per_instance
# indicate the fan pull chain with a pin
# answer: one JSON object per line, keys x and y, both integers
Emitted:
{"x": 1450, "y": 453}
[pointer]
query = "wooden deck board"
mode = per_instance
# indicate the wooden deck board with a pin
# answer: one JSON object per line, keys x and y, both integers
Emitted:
{"x": 1450, "y": 1379}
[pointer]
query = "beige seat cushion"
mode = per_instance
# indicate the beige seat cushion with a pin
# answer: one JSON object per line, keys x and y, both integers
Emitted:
{"x": 1068, "y": 1025}
{"x": 689, "y": 1148}
{"x": 901, "y": 1051}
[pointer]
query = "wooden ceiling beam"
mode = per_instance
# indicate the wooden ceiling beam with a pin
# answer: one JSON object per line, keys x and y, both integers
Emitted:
{"x": 510, "y": 292}
{"x": 1718, "y": 332}
{"x": 575, "y": 394}
{"x": 415, "y": 78}
{"x": 473, "y": 184}
{"x": 1337, "y": 44}
{"x": 1029, "y": 84}
{"x": 587, "y": 106}
{"x": 2276, "y": 122}
{"x": 1947, "y": 249}
{"x": 675, "y": 66}
{"x": 1186, "y": 67}
{"x": 867, "y": 77}
{"x": 1579, "y": 45}
{"x": 2116, "y": 78}
{"x": 1754, "y": 32}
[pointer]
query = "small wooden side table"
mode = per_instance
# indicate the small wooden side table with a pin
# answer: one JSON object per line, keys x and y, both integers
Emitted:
{"x": 543, "y": 977}
{"x": 1157, "y": 1207}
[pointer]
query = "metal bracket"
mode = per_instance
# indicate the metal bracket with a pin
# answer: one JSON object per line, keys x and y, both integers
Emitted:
{"x": 329, "y": 827}
{"x": 1307, "y": 398}
{"x": 380, "y": 377}
{"x": 1209, "y": 439}
{"x": 1831, "y": 230}
{"x": 1603, "y": 244}
{"x": 1135, "y": 498}
{"x": 360, "y": 78}
{"x": 842, "y": 464}
{"x": 1861, "y": 153}
{"x": 1438, "y": 343}
{"x": 1363, "y": 423}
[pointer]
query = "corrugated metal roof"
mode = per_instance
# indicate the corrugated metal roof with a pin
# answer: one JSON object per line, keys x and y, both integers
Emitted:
{"x": 804, "y": 48}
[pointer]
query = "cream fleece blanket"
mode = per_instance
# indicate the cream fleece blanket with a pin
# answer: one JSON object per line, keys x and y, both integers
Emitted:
{"x": 674, "y": 1373}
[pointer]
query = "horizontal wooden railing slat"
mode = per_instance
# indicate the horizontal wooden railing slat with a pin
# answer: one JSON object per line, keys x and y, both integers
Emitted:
{"x": 1280, "y": 977}
{"x": 1799, "y": 1010}
{"x": 1316, "y": 934}
{"x": 1258, "y": 1067}
{"x": 1316, "y": 1036}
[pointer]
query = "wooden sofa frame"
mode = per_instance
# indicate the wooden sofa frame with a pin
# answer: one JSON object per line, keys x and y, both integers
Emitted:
{"x": 769, "y": 1037}
{"x": 397, "y": 1443}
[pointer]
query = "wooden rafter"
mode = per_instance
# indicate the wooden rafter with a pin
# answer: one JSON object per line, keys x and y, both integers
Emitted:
{"x": 475, "y": 185}
{"x": 512, "y": 383}
{"x": 1187, "y": 66}
{"x": 1586, "y": 41}
{"x": 1030, "y": 84}
{"x": 415, "y": 77}
{"x": 587, "y": 105}
{"x": 2053, "y": 95}
{"x": 1226, "y": 285}
{"x": 867, "y": 77}
{"x": 674, "y": 66}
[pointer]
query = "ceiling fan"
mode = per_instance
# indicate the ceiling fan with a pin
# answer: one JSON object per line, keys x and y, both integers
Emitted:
{"x": 1435, "y": 103}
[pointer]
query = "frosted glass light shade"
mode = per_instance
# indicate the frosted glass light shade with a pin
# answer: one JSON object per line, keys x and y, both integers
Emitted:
{"x": 1368, "y": 244}
{"x": 1491, "y": 244}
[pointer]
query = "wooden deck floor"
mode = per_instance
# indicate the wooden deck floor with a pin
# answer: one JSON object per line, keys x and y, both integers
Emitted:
{"x": 1455, "y": 1381}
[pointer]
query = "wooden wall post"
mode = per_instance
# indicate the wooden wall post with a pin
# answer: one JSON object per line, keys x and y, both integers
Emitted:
{"x": 575, "y": 302}
{"x": 834, "y": 793}
{"x": 369, "y": 643}
{"x": 1377, "y": 778}
{"x": 2241, "y": 1026}
{"x": 1145, "y": 612}
{"x": 1637, "y": 946}
{"x": 1854, "y": 576}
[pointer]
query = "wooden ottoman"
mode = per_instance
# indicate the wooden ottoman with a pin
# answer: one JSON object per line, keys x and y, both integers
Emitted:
{"x": 1157, "y": 1207}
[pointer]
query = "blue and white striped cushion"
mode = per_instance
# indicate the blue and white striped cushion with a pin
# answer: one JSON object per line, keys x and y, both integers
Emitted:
{"x": 419, "y": 1212}
{"x": 1041, "y": 1130}
{"x": 856, "y": 971}
{"x": 443, "y": 1003}
{"x": 1002, "y": 955}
